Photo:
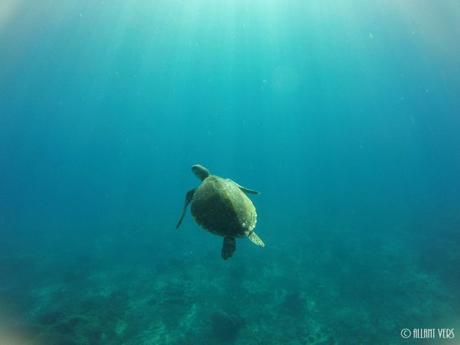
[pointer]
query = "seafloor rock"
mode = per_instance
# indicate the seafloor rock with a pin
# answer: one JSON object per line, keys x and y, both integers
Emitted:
{"x": 225, "y": 327}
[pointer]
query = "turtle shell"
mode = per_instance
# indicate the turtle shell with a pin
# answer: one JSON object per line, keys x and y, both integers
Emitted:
{"x": 219, "y": 206}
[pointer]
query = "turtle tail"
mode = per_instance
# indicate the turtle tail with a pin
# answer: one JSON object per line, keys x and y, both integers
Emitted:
{"x": 228, "y": 247}
{"x": 188, "y": 199}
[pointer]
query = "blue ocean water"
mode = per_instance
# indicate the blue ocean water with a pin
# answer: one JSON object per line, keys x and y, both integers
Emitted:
{"x": 343, "y": 114}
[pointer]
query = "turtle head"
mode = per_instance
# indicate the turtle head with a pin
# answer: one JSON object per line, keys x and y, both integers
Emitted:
{"x": 200, "y": 171}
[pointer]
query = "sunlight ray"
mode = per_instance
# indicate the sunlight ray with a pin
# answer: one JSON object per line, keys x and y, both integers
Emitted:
{"x": 8, "y": 9}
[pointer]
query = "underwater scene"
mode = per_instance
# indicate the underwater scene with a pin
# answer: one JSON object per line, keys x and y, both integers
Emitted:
{"x": 312, "y": 148}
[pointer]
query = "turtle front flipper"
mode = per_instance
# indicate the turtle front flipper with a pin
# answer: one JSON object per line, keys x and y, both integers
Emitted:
{"x": 228, "y": 247}
{"x": 255, "y": 239}
{"x": 246, "y": 190}
{"x": 188, "y": 198}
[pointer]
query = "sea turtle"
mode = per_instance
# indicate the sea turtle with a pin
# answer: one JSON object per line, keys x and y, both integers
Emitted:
{"x": 221, "y": 206}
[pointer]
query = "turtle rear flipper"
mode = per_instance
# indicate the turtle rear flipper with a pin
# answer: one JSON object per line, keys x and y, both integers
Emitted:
{"x": 255, "y": 239}
{"x": 228, "y": 247}
{"x": 188, "y": 198}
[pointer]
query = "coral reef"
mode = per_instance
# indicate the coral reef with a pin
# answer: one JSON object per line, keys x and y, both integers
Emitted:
{"x": 340, "y": 293}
